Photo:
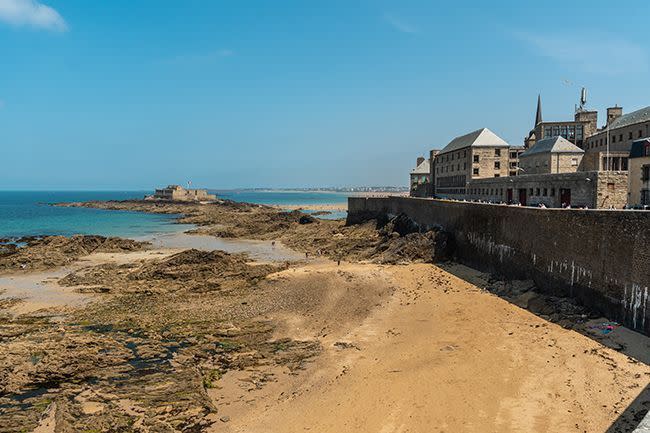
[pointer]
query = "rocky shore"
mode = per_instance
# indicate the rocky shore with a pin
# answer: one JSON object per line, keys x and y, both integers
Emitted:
{"x": 184, "y": 340}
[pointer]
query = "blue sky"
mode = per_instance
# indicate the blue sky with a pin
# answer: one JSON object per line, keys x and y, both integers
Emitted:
{"x": 135, "y": 94}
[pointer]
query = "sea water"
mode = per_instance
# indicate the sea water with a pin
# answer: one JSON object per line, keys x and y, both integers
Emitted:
{"x": 30, "y": 213}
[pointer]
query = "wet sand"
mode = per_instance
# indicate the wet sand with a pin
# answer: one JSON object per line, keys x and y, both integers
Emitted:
{"x": 259, "y": 250}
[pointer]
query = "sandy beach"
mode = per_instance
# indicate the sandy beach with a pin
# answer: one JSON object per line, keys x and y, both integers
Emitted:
{"x": 172, "y": 336}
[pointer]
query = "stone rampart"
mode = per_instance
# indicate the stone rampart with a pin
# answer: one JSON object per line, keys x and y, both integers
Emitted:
{"x": 601, "y": 257}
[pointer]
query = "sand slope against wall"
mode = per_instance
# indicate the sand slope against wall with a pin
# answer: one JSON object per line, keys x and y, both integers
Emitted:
{"x": 601, "y": 257}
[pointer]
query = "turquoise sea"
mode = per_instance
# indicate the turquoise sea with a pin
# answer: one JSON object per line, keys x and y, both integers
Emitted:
{"x": 29, "y": 213}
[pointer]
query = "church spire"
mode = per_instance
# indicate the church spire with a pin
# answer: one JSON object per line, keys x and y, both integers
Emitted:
{"x": 538, "y": 116}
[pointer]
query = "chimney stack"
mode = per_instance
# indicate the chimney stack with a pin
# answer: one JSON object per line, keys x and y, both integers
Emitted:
{"x": 614, "y": 113}
{"x": 420, "y": 161}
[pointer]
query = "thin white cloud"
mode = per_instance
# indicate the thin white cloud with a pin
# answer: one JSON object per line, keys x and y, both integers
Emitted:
{"x": 399, "y": 24}
{"x": 208, "y": 57}
{"x": 602, "y": 54}
{"x": 31, "y": 13}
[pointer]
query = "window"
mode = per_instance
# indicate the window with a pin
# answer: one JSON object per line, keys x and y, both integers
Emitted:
{"x": 574, "y": 162}
{"x": 497, "y": 165}
{"x": 464, "y": 166}
{"x": 630, "y": 136}
{"x": 620, "y": 137}
{"x": 563, "y": 131}
{"x": 613, "y": 139}
{"x": 475, "y": 171}
{"x": 537, "y": 191}
{"x": 452, "y": 167}
{"x": 464, "y": 154}
{"x": 513, "y": 155}
{"x": 497, "y": 152}
{"x": 513, "y": 164}
{"x": 610, "y": 187}
{"x": 530, "y": 191}
{"x": 458, "y": 167}
{"x": 624, "y": 164}
{"x": 552, "y": 192}
{"x": 497, "y": 175}
{"x": 545, "y": 192}
{"x": 645, "y": 173}
{"x": 475, "y": 158}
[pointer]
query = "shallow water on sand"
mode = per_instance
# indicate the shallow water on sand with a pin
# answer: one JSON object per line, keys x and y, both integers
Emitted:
{"x": 39, "y": 290}
{"x": 257, "y": 250}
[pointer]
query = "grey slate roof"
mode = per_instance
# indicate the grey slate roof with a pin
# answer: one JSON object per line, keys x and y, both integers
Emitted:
{"x": 479, "y": 138}
{"x": 642, "y": 115}
{"x": 638, "y": 148}
{"x": 423, "y": 168}
{"x": 552, "y": 145}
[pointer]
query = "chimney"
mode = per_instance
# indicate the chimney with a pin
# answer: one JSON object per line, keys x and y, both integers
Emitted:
{"x": 614, "y": 113}
{"x": 420, "y": 161}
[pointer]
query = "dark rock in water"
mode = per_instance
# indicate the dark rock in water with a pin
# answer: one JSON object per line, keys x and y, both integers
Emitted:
{"x": 306, "y": 219}
{"x": 8, "y": 249}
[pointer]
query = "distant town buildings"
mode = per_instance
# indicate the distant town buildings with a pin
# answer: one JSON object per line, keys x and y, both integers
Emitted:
{"x": 562, "y": 163}
{"x": 178, "y": 193}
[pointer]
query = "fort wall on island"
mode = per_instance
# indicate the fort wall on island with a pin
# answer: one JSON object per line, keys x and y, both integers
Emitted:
{"x": 600, "y": 257}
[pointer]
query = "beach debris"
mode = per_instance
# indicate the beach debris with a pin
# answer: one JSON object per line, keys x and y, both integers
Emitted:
{"x": 606, "y": 327}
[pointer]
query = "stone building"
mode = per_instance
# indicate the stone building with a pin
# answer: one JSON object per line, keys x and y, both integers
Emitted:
{"x": 479, "y": 154}
{"x": 620, "y": 132}
{"x": 592, "y": 189}
{"x": 551, "y": 175}
{"x": 178, "y": 193}
{"x": 551, "y": 155}
{"x": 421, "y": 178}
{"x": 639, "y": 173}
{"x": 584, "y": 124}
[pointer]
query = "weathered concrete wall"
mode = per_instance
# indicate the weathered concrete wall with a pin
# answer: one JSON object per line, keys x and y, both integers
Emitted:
{"x": 600, "y": 257}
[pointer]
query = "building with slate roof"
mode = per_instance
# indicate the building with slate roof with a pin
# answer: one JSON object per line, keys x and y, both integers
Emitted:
{"x": 475, "y": 155}
{"x": 620, "y": 132}
{"x": 477, "y": 167}
{"x": 421, "y": 178}
{"x": 584, "y": 123}
{"x": 551, "y": 155}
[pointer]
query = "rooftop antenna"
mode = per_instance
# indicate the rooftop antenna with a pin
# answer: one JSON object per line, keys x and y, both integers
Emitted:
{"x": 189, "y": 184}
{"x": 583, "y": 98}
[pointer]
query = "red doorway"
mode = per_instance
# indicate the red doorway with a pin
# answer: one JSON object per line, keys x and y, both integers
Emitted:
{"x": 522, "y": 196}
{"x": 565, "y": 197}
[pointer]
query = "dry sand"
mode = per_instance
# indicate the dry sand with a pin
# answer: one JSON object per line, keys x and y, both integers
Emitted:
{"x": 439, "y": 355}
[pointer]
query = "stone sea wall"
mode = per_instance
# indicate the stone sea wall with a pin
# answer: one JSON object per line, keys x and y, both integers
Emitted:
{"x": 601, "y": 257}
